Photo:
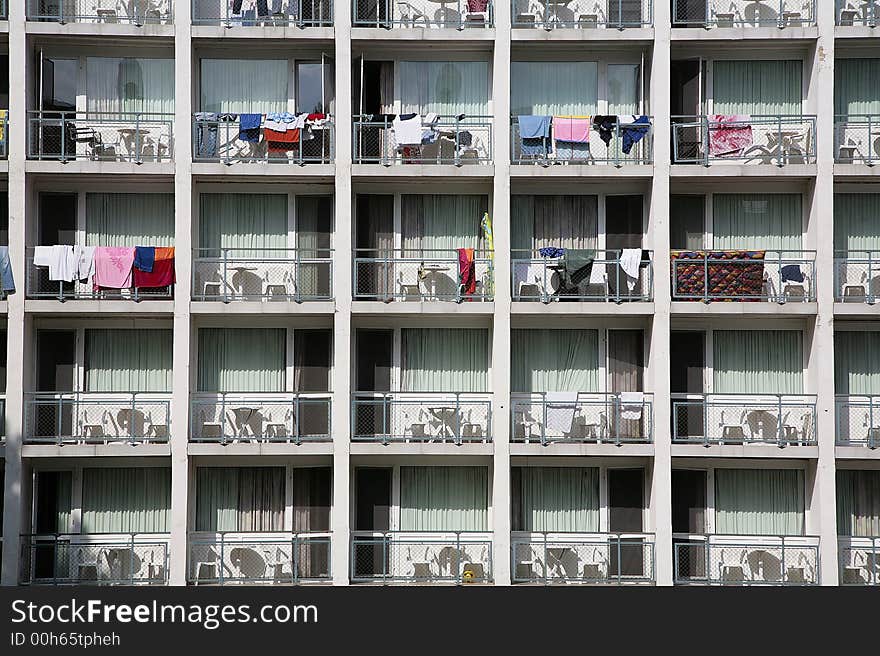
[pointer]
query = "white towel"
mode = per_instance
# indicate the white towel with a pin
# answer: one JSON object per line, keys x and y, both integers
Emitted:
{"x": 408, "y": 132}
{"x": 42, "y": 256}
{"x": 597, "y": 273}
{"x": 631, "y": 405}
{"x": 85, "y": 267}
{"x": 630, "y": 259}
{"x": 58, "y": 259}
{"x": 560, "y": 414}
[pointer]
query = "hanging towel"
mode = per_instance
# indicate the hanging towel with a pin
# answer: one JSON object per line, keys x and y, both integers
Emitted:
{"x": 534, "y": 127}
{"x": 408, "y": 131}
{"x": 113, "y": 267}
{"x": 561, "y": 408}
{"x": 85, "y": 267}
{"x": 144, "y": 257}
{"x": 279, "y": 121}
{"x": 576, "y": 266}
{"x": 58, "y": 259}
{"x": 792, "y": 273}
{"x": 6, "y": 279}
{"x": 281, "y": 142}
{"x": 575, "y": 129}
{"x": 551, "y": 251}
{"x": 467, "y": 271}
{"x": 729, "y": 135}
{"x": 629, "y": 262}
{"x": 249, "y": 127}
{"x": 597, "y": 273}
{"x": 162, "y": 274}
{"x": 605, "y": 126}
{"x": 631, "y": 404}
{"x": 632, "y": 130}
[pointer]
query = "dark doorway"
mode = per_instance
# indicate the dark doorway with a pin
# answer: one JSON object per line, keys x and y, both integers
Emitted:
{"x": 688, "y": 518}
{"x": 687, "y": 223}
{"x": 374, "y": 240}
{"x": 56, "y": 357}
{"x": 372, "y": 515}
{"x": 373, "y": 359}
{"x": 686, "y": 96}
{"x": 687, "y": 350}
{"x": 624, "y": 228}
{"x": 626, "y": 501}
{"x": 49, "y": 557}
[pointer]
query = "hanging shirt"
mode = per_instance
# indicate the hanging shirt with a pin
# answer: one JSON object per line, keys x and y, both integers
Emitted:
{"x": 632, "y": 130}
{"x": 605, "y": 126}
{"x": 85, "y": 266}
{"x": 408, "y": 132}
{"x": 58, "y": 259}
{"x": 629, "y": 262}
{"x": 113, "y": 267}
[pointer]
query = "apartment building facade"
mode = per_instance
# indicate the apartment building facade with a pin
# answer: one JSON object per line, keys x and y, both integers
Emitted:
{"x": 474, "y": 292}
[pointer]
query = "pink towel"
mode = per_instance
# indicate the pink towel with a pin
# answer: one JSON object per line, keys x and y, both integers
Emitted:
{"x": 571, "y": 129}
{"x": 113, "y": 267}
{"x": 729, "y": 135}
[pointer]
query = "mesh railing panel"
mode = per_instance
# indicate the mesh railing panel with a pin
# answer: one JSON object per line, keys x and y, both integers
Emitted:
{"x": 857, "y": 139}
{"x": 636, "y": 148}
{"x": 859, "y": 561}
{"x": 40, "y": 287}
{"x": 242, "y": 418}
{"x": 742, "y": 562}
{"x": 743, "y": 13}
{"x": 218, "y": 141}
{"x": 544, "y": 279}
{"x": 239, "y": 559}
{"x": 584, "y": 14}
{"x": 441, "y": 418}
{"x": 400, "y": 558}
{"x": 263, "y": 13}
{"x": 456, "y": 140}
{"x": 388, "y": 14}
{"x": 586, "y": 420}
{"x": 862, "y": 13}
{"x": 129, "y": 12}
{"x": 858, "y": 421}
{"x": 746, "y": 420}
{"x": 857, "y": 276}
{"x": 593, "y": 560}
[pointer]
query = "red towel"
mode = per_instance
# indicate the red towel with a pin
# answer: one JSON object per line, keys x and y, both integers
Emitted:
{"x": 162, "y": 274}
{"x": 279, "y": 142}
{"x": 466, "y": 272}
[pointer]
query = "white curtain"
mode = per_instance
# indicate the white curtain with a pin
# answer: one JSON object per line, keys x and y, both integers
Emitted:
{"x": 757, "y": 221}
{"x": 444, "y": 359}
{"x": 759, "y": 501}
{"x": 758, "y": 87}
{"x": 241, "y": 359}
{"x": 129, "y": 85}
{"x": 126, "y": 500}
{"x": 245, "y": 222}
{"x": 554, "y": 360}
{"x": 554, "y": 88}
{"x": 255, "y": 86}
{"x": 758, "y": 361}
{"x": 448, "y": 88}
{"x": 128, "y": 360}
{"x": 444, "y": 499}
{"x": 856, "y": 222}
{"x": 855, "y": 86}
{"x": 129, "y": 219}
{"x": 243, "y": 499}
{"x": 857, "y": 362}
{"x": 555, "y": 499}
{"x": 623, "y": 88}
{"x": 562, "y": 221}
{"x": 441, "y": 221}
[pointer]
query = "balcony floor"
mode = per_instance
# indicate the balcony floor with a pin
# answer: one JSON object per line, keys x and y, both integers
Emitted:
{"x": 759, "y": 451}
{"x": 422, "y": 307}
{"x": 125, "y": 450}
{"x": 260, "y": 449}
{"x": 308, "y": 308}
{"x": 91, "y": 307}
{"x": 769, "y": 33}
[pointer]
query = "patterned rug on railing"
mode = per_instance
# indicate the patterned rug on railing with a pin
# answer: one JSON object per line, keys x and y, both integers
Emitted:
{"x": 741, "y": 279}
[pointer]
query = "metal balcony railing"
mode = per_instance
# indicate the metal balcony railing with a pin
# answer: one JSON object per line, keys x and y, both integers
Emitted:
{"x": 95, "y": 559}
{"x": 582, "y": 14}
{"x": 857, "y": 13}
{"x": 421, "y": 556}
{"x": 453, "y": 140}
{"x": 585, "y": 417}
{"x": 4, "y": 14}
{"x": 38, "y": 286}
{"x": 744, "y": 275}
{"x": 263, "y": 13}
{"x": 2, "y": 419}
{"x": 857, "y": 139}
{"x": 265, "y": 274}
{"x": 97, "y": 417}
{"x": 272, "y": 417}
{"x": 217, "y": 140}
{"x": 551, "y": 152}
{"x": 593, "y": 558}
{"x": 229, "y": 557}
{"x": 421, "y": 275}
{"x": 780, "y": 419}
{"x": 743, "y": 13}
{"x": 426, "y": 14}
{"x": 539, "y": 278}
{"x": 746, "y": 560}
{"x": 858, "y": 420}
{"x": 857, "y": 276}
{"x": 779, "y": 140}
{"x": 449, "y": 417}
{"x": 859, "y": 559}
{"x": 100, "y": 136}
{"x": 130, "y": 12}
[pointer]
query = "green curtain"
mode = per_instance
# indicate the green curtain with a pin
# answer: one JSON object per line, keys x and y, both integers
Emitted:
{"x": 441, "y": 221}
{"x": 314, "y": 221}
{"x": 445, "y": 359}
{"x": 128, "y": 360}
{"x": 129, "y": 85}
{"x": 126, "y": 500}
{"x": 554, "y": 88}
{"x": 564, "y": 221}
{"x": 623, "y": 88}
{"x": 759, "y": 501}
{"x": 855, "y": 86}
{"x": 54, "y": 500}
{"x": 858, "y": 502}
{"x": 448, "y": 88}
{"x": 241, "y": 359}
{"x": 129, "y": 219}
{"x": 768, "y": 87}
{"x": 757, "y": 221}
{"x": 857, "y": 362}
{"x": 249, "y": 222}
{"x": 242, "y": 86}
{"x": 245, "y": 499}
{"x": 758, "y": 361}
{"x": 444, "y": 499}
{"x": 556, "y": 499}
{"x": 554, "y": 360}
{"x": 856, "y": 222}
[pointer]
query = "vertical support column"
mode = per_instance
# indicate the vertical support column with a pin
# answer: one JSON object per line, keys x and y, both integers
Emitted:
{"x": 822, "y": 516}
{"x": 17, "y": 328}
{"x": 501, "y": 325}
{"x": 342, "y": 262}
{"x": 180, "y": 383}
{"x": 658, "y": 354}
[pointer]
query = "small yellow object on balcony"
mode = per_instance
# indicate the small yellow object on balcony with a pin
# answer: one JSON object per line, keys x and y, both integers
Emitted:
{"x": 467, "y": 576}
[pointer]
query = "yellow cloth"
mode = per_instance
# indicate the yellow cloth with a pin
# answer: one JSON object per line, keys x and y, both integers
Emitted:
{"x": 2, "y": 125}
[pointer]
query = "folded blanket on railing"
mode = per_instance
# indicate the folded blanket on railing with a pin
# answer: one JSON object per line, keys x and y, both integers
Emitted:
{"x": 573, "y": 129}
{"x": 742, "y": 277}
{"x": 113, "y": 267}
{"x": 162, "y": 274}
{"x": 729, "y": 135}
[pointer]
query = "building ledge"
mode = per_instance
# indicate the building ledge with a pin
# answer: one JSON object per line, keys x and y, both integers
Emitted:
{"x": 423, "y": 307}
{"x": 264, "y": 33}
{"x": 856, "y": 32}
{"x": 857, "y": 170}
{"x": 763, "y": 308}
{"x": 591, "y": 308}
{"x": 857, "y": 310}
{"x": 594, "y": 450}
{"x": 734, "y": 170}
{"x": 420, "y": 171}
{"x": 101, "y": 30}
{"x": 632, "y": 34}
{"x": 582, "y": 171}
{"x": 260, "y": 449}
{"x": 421, "y": 449}
{"x": 249, "y": 170}
{"x": 49, "y": 306}
{"x": 768, "y": 33}
{"x": 856, "y": 453}
{"x": 89, "y": 167}
{"x": 94, "y": 450}
{"x": 743, "y": 451}
{"x": 263, "y": 307}
{"x": 447, "y": 35}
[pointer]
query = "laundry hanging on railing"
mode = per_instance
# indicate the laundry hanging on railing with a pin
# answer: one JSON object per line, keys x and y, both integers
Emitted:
{"x": 729, "y": 135}
{"x": 467, "y": 271}
{"x": 278, "y": 129}
{"x": 534, "y": 133}
{"x": 732, "y": 275}
{"x": 7, "y": 282}
{"x": 571, "y": 134}
{"x": 630, "y": 258}
{"x": 108, "y": 267}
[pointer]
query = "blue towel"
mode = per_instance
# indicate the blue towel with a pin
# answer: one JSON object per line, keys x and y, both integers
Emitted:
{"x": 249, "y": 127}
{"x": 792, "y": 273}
{"x": 551, "y": 251}
{"x": 632, "y": 134}
{"x": 534, "y": 127}
{"x": 144, "y": 257}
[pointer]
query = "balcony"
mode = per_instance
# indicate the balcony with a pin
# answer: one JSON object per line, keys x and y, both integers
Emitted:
{"x": 743, "y": 13}
{"x": 857, "y": 139}
{"x": 746, "y": 560}
{"x": 97, "y": 418}
{"x": 744, "y": 275}
{"x": 750, "y": 140}
{"x": 582, "y": 14}
{"x": 100, "y": 137}
{"x": 216, "y": 138}
{"x": 542, "y": 278}
{"x": 864, "y": 14}
{"x": 283, "y": 274}
{"x": 857, "y": 276}
{"x": 138, "y": 12}
{"x": 2, "y": 419}
{"x": 439, "y": 417}
{"x": 422, "y": 14}
{"x": 243, "y": 558}
{"x": 859, "y": 560}
{"x": 597, "y": 558}
{"x": 39, "y": 286}
{"x": 582, "y": 417}
{"x": 858, "y": 421}
{"x": 455, "y": 140}
{"x": 422, "y": 275}
{"x": 4, "y": 126}
{"x": 421, "y": 557}
{"x": 630, "y": 144}
{"x": 266, "y": 13}
{"x": 95, "y": 559}
{"x": 278, "y": 418}
{"x": 783, "y": 420}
